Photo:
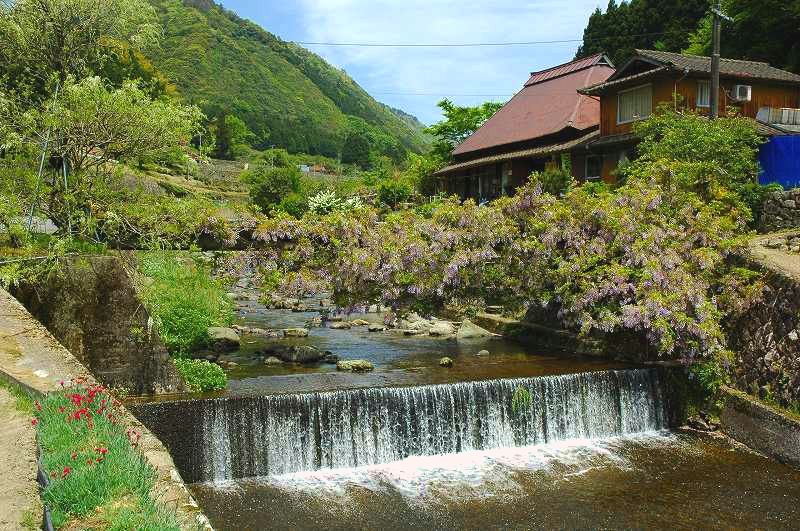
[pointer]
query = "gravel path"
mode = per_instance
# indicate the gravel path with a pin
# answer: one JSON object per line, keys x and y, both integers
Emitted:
{"x": 776, "y": 259}
{"x": 20, "y": 505}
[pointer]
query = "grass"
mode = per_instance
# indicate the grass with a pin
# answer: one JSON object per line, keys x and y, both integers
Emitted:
{"x": 183, "y": 299}
{"x": 98, "y": 478}
{"x": 22, "y": 400}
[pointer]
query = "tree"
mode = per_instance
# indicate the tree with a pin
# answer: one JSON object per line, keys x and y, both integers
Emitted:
{"x": 767, "y": 31}
{"x": 232, "y": 136}
{"x": 356, "y": 149}
{"x": 92, "y": 124}
{"x": 41, "y": 39}
{"x": 624, "y": 26}
{"x": 269, "y": 186}
{"x": 458, "y": 124}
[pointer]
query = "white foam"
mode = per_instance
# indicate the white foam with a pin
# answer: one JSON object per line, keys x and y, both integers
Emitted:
{"x": 468, "y": 475}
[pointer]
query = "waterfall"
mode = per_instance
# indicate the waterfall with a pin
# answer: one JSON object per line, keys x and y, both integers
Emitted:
{"x": 233, "y": 438}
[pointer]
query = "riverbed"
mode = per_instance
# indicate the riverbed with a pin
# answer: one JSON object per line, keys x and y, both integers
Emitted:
{"x": 398, "y": 360}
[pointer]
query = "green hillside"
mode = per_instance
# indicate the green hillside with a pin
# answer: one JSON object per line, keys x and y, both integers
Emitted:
{"x": 287, "y": 95}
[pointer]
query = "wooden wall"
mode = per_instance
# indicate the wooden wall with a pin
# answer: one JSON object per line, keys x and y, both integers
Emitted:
{"x": 763, "y": 95}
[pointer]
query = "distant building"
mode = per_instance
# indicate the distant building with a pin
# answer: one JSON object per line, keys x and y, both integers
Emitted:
{"x": 544, "y": 120}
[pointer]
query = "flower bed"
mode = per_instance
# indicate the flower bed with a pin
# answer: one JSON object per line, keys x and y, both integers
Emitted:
{"x": 97, "y": 477}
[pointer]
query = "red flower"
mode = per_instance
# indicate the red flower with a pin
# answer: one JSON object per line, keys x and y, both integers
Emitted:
{"x": 101, "y": 450}
{"x": 34, "y": 421}
{"x": 38, "y": 406}
{"x": 66, "y": 472}
{"x": 61, "y": 409}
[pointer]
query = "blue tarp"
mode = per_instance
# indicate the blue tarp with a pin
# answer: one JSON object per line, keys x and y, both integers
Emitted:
{"x": 780, "y": 161}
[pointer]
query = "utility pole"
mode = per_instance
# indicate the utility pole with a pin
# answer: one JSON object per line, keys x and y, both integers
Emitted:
{"x": 716, "y": 36}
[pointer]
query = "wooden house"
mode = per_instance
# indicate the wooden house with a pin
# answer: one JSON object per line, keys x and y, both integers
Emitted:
{"x": 545, "y": 119}
{"x": 652, "y": 77}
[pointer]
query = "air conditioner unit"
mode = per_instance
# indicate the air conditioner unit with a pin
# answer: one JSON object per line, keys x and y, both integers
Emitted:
{"x": 741, "y": 92}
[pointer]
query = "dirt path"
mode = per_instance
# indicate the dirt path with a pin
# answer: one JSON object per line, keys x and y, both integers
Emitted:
{"x": 782, "y": 261}
{"x": 20, "y": 505}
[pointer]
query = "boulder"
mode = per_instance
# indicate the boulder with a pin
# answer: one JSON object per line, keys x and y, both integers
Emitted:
{"x": 314, "y": 322}
{"x": 341, "y": 325}
{"x": 354, "y": 366}
{"x": 483, "y": 353}
{"x": 376, "y": 328}
{"x": 442, "y": 328}
{"x": 272, "y": 360}
{"x": 469, "y": 330}
{"x": 295, "y": 332}
{"x": 359, "y": 322}
{"x": 446, "y": 362}
{"x": 301, "y": 354}
{"x": 330, "y": 358}
{"x": 223, "y": 339}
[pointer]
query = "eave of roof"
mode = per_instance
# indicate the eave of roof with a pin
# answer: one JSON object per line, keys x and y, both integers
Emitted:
{"x": 539, "y": 151}
{"x": 599, "y": 88}
{"x": 692, "y": 64}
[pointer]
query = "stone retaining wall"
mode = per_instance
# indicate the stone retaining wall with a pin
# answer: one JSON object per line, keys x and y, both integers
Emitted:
{"x": 781, "y": 211}
{"x": 31, "y": 358}
{"x": 766, "y": 338}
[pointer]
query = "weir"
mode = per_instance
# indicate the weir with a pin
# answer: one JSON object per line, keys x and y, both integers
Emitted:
{"x": 234, "y": 438}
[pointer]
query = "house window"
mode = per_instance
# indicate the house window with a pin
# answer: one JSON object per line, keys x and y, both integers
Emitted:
{"x": 634, "y": 104}
{"x": 594, "y": 167}
{"x": 703, "y": 94}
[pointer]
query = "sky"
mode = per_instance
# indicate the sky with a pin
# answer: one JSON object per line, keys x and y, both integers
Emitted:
{"x": 415, "y": 79}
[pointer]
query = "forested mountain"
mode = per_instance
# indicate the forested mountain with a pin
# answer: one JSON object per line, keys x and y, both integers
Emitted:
{"x": 653, "y": 24}
{"x": 285, "y": 94}
{"x": 764, "y": 30}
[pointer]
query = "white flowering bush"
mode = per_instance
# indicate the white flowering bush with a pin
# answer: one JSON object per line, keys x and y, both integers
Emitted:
{"x": 327, "y": 201}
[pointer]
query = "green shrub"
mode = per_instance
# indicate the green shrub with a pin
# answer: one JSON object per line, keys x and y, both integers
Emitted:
{"x": 710, "y": 376}
{"x": 201, "y": 375}
{"x": 268, "y": 187}
{"x": 294, "y": 204}
{"x": 554, "y": 181}
{"x": 754, "y": 194}
{"x": 394, "y": 192}
{"x": 183, "y": 300}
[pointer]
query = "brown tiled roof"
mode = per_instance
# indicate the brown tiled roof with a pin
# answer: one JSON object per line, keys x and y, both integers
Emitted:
{"x": 727, "y": 67}
{"x": 549, "y": 105}
{"x": 568, "y": 68}
{"x": 541, "y": 151}
{"x": 697, "y": 64}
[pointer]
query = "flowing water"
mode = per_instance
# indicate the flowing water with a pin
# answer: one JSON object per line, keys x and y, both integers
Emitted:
{"x": 515, "y": 440}
{"x": 645, "y": 481}
{"x": 278, "y": 434}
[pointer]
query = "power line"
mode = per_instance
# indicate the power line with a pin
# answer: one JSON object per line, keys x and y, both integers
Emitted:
{"x": 464, "y": 44}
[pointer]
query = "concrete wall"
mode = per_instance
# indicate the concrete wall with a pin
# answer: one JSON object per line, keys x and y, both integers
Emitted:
{"x": 761, "y": 427}
{"x": 781, "y": 211}
{"x": 91, "y": 307}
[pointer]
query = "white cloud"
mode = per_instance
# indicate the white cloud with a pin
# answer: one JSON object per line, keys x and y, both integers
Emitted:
{"x": 446, "y": 71}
